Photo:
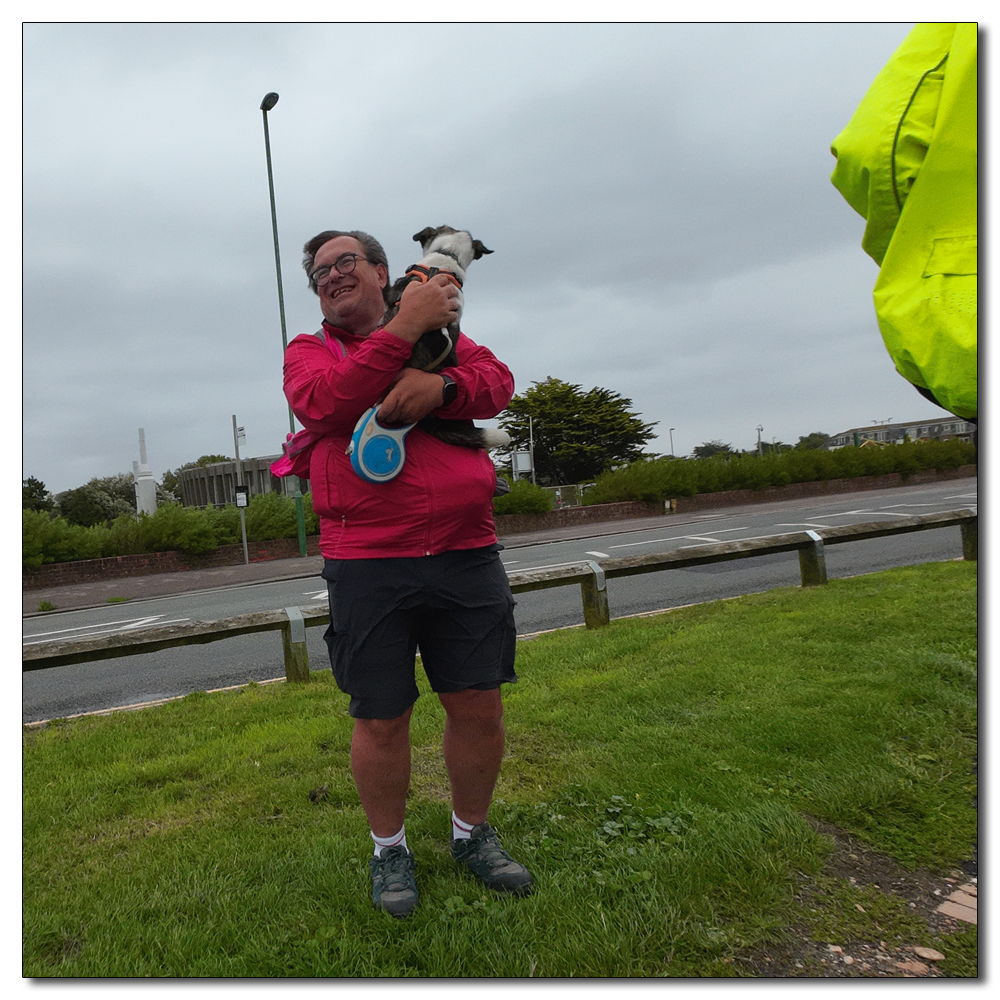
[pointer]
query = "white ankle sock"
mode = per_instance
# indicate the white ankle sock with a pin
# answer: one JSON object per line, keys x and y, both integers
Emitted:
{"x": 398, "y": 840}
{"x": 460, "y": 830}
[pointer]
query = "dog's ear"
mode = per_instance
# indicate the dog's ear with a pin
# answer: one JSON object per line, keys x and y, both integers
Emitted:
{"x": 425, "y": 235}
{"x": 478, "y": 247}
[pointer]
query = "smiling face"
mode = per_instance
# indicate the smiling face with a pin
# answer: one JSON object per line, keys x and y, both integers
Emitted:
{"x": 351, "y": 302}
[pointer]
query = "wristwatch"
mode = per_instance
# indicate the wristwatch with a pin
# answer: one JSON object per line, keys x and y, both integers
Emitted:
{"x": 450, "y": 393}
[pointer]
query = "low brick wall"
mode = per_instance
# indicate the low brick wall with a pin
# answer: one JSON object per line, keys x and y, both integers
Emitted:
{"x": 519, "y": 524}
{"x": 117, "y": 567}
{"x": 146, "y": 564}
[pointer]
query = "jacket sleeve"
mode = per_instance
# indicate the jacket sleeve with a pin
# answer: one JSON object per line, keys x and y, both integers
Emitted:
{"x": 328, "y": 392}
{"x": 485, "y": 384}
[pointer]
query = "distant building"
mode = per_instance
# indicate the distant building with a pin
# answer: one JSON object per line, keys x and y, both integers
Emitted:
{"x": 215, "y": 485}
{"x": 938, "y": 429}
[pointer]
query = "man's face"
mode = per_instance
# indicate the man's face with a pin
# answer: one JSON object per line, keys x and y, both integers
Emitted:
{"x": 352, "y": 302}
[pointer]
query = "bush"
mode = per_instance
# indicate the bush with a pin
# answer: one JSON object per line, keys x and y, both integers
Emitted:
{"x": 524, "y": 498}
{"x": 47, "y": 538}
{"x": 174, "y": 528}
{"x": 662, "y": 478}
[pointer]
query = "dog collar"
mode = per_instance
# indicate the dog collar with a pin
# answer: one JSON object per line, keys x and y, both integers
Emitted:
{"x": 424, "y": 274}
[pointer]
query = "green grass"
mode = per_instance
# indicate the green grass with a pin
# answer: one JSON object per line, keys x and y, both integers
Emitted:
{"x": 657, "y": 780}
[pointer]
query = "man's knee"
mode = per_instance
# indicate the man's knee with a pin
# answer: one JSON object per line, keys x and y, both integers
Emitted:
{"x": 470, "y": 705}
{"x": 384, "y": 732}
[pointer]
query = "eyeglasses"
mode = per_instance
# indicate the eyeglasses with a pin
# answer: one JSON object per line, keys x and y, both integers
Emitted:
{"x": 344, "y": 264}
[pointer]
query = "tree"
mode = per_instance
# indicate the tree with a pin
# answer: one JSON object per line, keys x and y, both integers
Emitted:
{"x": 815, "y": 440}
{"x": 577, "y": 434}
{"x": 99, "y": 501}
{"x": 709, "y": 449}
{"x": 34, "y": 495}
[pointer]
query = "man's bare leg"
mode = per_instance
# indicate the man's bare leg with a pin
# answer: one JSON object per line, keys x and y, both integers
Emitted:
{"x": 380, "y": 762}
{"x": 473, "y": 749}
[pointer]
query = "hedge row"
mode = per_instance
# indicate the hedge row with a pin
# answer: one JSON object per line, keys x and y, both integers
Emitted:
{"x": 48, "y": 538}
{"x": 664, "y": 478}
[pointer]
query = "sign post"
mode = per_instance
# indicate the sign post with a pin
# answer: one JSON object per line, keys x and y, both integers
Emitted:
{"x": 242, "y": 492}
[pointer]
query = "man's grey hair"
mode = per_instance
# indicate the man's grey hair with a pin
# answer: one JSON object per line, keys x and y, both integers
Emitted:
{"x": 371, "y": 246}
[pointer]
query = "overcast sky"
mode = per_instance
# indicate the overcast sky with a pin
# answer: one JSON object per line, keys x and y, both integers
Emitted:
{"x": 657, "y": 197}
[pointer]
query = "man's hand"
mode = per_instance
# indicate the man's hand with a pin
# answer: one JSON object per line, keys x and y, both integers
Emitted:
{"x": 422, "y": 307}
{"x": 413, "y": 395}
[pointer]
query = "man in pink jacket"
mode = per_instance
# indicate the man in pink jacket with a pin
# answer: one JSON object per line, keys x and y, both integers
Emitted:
{"x": 413, "y": 562}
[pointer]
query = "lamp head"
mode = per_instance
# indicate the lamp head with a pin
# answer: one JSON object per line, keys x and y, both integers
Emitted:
{"x": 269, "y": 101}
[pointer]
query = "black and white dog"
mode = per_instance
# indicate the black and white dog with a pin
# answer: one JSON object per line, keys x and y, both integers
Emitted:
{"x": 446, "y": 251}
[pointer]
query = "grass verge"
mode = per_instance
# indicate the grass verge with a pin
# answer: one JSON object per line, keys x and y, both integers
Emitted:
{"x": 658, "y": 778}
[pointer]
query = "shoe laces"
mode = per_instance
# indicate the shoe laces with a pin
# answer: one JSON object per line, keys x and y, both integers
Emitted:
{"x": 394, "y": 869}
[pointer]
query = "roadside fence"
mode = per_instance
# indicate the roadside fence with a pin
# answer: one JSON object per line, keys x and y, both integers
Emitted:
{"x": 590, "y": 575}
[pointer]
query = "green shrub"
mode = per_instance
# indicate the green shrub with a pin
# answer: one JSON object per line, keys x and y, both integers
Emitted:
{"x": 524, "y": 498}
{"x": 271, "y": 515}
{"x": 224, "y": 523}
{"x": 662, "y": 478}
{"x": 174, "y": 528}
{"x": 46, "y": 538}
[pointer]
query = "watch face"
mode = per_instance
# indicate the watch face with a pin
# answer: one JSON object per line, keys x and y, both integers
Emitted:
{"x": 450, "y": 390}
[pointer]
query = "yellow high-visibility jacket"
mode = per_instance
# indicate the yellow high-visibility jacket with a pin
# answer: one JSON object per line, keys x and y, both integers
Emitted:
{"x": 907, "y": 161}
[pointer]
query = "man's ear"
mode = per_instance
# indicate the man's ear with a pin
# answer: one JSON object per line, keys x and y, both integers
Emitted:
{"x": 383, "y": 273}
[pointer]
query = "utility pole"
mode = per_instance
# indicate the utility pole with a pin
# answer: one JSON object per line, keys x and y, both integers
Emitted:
{"x": 760, "y": 450}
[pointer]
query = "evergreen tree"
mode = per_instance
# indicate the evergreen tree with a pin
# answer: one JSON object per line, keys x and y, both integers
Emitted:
{"x": 577, "y": 434}
{"x": 34, "y": 495}
{"x": 709, "y": 449}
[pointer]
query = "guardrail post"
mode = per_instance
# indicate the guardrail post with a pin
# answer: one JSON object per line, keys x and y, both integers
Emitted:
{"x": 970, "y": 539}
{"x": 293, "y": 642}
{"x": 595, "y": 598}
{"x": 812, "y": 561}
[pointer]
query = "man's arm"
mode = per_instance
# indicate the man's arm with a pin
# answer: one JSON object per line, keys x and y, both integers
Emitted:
{"x": 329, "y": 393}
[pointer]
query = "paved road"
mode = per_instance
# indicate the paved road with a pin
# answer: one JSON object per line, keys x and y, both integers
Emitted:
{"x": 69, "y": 690}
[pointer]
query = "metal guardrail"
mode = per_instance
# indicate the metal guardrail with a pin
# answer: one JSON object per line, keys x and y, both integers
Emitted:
{"x": 590, "y": 575}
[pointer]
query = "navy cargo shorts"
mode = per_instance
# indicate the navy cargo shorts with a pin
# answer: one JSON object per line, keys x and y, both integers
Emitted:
{"x": 456, "y": 608}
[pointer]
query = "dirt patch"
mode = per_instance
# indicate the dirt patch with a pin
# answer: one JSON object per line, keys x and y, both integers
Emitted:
{"x": 801, "y": 955}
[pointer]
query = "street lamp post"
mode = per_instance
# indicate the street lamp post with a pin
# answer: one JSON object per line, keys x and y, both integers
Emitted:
{"x": 269, "y": 102}
{"x": 672, "y": 429}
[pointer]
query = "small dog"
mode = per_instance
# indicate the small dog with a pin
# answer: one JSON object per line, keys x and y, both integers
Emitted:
{"x": 446, "y": 251}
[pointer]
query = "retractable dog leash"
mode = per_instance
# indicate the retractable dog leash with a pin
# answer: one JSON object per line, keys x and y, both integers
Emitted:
{"x": 377, "y": 452}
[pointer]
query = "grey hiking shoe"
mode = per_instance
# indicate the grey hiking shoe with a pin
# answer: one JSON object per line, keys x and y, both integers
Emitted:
{"x": 490, "y": 863}
{"x": 394, "y": 887}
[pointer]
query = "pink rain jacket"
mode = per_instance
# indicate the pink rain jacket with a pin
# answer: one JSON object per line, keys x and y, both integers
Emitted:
{"x": 443, "y": 499}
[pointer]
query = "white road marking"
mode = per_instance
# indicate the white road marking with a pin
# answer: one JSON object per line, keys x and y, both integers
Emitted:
{"x": 600, "y": 555}
{"x": 701, "y": 538}
{"x": 851, "y": 513}
{"x": 672, "y": 538}
{"x": 103, "y": 628}
{"x": 314, "y": 594}
{"x": 801, "y": 524}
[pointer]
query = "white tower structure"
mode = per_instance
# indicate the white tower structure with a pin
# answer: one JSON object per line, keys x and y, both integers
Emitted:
{"x": 145, "y": 485}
